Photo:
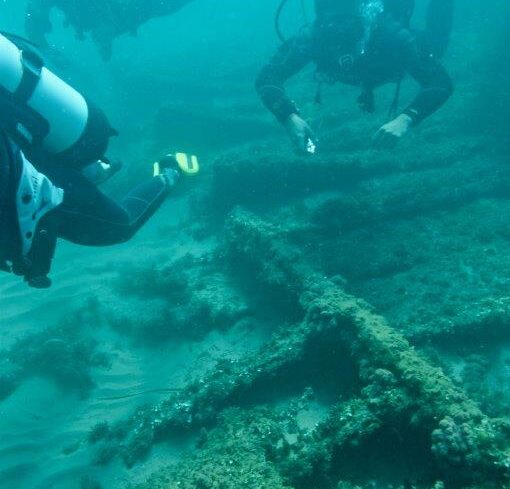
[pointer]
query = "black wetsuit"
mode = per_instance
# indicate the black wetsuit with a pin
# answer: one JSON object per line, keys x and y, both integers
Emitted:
{"x": 89, "y": 217}
{"x": 336, "y": 45}
{"x": 86, "y": 216}
{"x": 10, "y": 243}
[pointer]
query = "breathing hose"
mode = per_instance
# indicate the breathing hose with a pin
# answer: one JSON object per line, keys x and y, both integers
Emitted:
{"x": 277, "y": 19}
{"x": 278, "y": 16}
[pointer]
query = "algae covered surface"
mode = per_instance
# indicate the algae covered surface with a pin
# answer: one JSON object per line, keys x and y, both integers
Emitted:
{"x": 338, "y": 321}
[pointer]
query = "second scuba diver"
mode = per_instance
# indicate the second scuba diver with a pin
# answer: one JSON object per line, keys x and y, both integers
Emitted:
{"x": 365, "y": 43}
{"x": 52, "y": 146}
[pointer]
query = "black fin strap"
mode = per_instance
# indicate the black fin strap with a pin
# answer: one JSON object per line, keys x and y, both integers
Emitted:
{"x": 37, "y": 265}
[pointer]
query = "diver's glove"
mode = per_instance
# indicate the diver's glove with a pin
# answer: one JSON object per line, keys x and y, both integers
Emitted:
{"x": 389, "y": 134}
{"x": 301, "y": 134}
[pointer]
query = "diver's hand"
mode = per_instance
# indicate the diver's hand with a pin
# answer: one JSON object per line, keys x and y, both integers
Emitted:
{"x": 301, "y": 134}
{"x": 389, "y": 134}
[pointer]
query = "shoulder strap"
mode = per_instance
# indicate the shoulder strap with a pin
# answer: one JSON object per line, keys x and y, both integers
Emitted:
{"x": 32, "y": 68}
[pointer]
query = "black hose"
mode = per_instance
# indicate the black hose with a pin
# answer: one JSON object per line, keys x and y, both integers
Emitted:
{"x": 277, "y": 19}
{"x": 15, "y": 39}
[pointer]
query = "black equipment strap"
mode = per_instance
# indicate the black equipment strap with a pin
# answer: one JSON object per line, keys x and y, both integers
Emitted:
{"x": 4, "y": 233}
{"x": 25, "y": 126}
{"x": 41, "y": 255}
{"x": 32, "y": 68}
{"x": 8, "y": 233}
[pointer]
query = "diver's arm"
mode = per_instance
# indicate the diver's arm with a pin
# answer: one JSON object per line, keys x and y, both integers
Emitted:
{"x": 291, "y": 58}
{"x": 436, "y": 84}
{"x": 436, "y": 89}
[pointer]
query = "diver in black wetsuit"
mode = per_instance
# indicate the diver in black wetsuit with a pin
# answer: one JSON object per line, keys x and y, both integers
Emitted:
{"x": 365, "y": 43}
{"x": 37, "y": 206}
{"x": 52, "y": 192}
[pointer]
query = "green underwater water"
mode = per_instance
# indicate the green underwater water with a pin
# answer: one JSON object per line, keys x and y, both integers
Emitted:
{"x": 335, "y": 322}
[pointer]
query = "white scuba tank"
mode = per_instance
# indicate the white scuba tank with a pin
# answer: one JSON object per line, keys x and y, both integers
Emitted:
{"x": 48, "y": 115}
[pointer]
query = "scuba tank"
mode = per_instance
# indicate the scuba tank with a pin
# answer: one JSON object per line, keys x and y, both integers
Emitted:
{"x": 324, "y": 11}
{"x": 440, "y": 16}
{"x": 44, "y": 115}
{"x": 439, "y": 25}
{"x": 333, "y": 8}
{"x": 402, "y": 10}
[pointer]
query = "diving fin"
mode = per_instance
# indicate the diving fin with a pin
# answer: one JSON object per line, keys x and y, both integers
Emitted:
{"x": 182, "y": 162}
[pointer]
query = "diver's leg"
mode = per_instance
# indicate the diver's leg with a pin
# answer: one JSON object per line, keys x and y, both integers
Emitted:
{"x": 144, "y": 200}
{"x": 89, "y": 217}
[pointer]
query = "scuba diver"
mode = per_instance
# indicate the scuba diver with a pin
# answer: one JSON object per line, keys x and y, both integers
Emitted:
{"x": 364, "y": 43}
{"x": 52, "y": 147}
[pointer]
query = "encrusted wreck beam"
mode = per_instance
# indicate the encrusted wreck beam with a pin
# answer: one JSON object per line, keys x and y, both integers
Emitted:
{"x": 200, "y": 402}
{"x": 489, "y": 325}
{"x": 283, "y": 176}
{"x": 233, "y": 455}
{"x": 399, "y": 383}
{"x": 407, "y": 195}
{"x": 462, "y": 436}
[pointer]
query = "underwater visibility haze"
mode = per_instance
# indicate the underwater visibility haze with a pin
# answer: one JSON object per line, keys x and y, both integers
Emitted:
{"x": 255, "y": 244}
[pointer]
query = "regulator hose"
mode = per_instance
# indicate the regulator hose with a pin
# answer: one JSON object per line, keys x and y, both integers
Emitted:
{"x": 277, "y": 19}
{"x": 278, "y": 16}
{"x": 16, "y": 39}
